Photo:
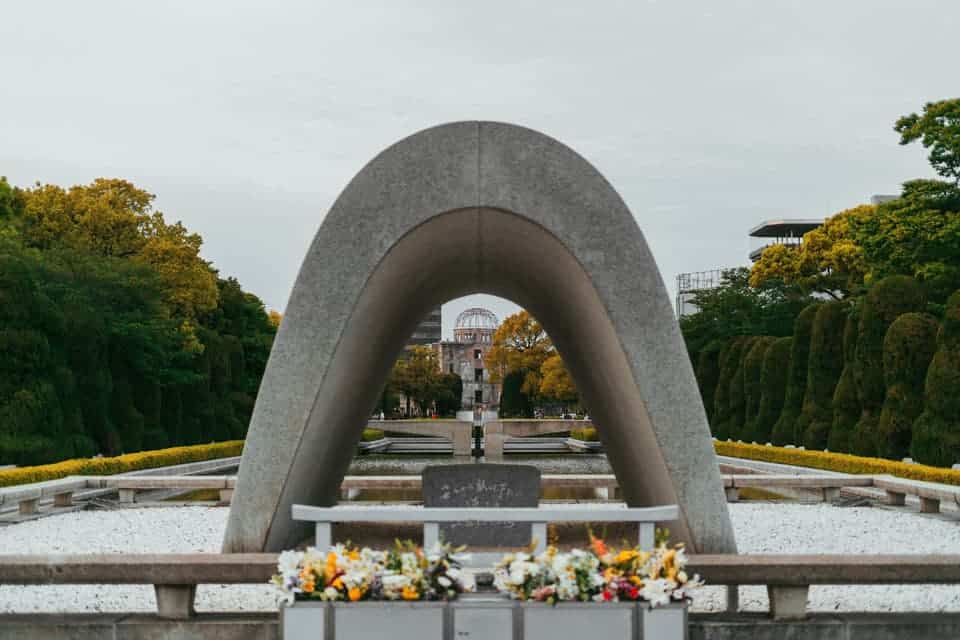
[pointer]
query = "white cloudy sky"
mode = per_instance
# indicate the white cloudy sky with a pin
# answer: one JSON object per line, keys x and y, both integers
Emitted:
{"x": 247, "y": 118}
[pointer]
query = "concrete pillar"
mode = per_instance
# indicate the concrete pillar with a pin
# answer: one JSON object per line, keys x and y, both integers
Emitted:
{"x": 929, "y": 505}
{"x": 28, "y": 507}
{"x": 462, "y": 440}
{"x": 493, "y": 438}
{"x": 896, "y": 499}
{"x": 831, "y": 494}
{"x": 788, "y": 603}
{"x": 127, "y": 496}
{"x": 226, "y": 495}
{"x": 175, "y": 601}
{"x": 732, "y": 493}
{"x": 63, "y": 499}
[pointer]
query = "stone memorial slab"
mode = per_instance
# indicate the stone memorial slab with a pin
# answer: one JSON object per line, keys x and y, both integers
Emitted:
{"x": 483, "y": 485}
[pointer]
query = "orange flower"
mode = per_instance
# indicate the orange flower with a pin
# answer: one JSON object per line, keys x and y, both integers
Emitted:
{"x": 598, "y": 546}
{"x": 308, "y": 587}
{"x": 337, "y": 584}
{"x": 354, "y": 594}
{"x": 410, "y": 593}
{"x": 354, "y": 554}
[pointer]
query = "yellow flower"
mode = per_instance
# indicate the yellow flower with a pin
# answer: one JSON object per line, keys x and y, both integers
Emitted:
{"x": 337, "y": 584}
{"x": 626, "y": 556}
{"x": 354, "y": 594}
{"x": 635, "y": 581}
{"x": 354, "y": 555}
{"x": 410, "y": 593}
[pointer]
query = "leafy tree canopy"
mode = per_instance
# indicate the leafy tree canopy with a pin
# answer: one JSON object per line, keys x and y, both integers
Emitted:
{"x": 829, "y": 261}
{"x": 735, "y": 308}
{"x": 937, "y": 129}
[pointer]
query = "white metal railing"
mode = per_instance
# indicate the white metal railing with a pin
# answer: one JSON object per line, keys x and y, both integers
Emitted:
{"x": 538, "y": 517}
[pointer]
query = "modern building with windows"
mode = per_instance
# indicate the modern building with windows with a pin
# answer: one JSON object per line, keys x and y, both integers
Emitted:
{"x": 428, "y": 331}
{"x": 472, "y": 339}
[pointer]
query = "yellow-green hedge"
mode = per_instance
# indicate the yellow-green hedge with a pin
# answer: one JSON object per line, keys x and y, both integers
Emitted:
{"x": 588, "y": 434}
{"x": 371, "y": 435}
{"x": 841, "y": 462}
{"x": 121, "y": 464}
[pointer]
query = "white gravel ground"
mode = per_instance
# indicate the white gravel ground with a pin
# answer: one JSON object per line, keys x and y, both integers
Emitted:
{"x": 760, "y": 528}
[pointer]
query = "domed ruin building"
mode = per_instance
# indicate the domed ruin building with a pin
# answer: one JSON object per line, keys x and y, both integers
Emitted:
{"x": 472, "y": 339}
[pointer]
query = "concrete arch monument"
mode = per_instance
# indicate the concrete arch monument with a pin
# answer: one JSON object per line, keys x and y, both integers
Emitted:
{"x": 457, "y": 209}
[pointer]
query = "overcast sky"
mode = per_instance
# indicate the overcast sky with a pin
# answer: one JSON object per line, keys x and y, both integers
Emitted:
{"x": 247, "y": 119}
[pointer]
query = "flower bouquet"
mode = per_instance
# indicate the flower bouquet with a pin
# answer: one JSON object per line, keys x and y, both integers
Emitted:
{"x": 346, "y": 573}
{"x": 626, "y": 581}
{"x": 365, "y": 593}
{"x": 598, "y": 574}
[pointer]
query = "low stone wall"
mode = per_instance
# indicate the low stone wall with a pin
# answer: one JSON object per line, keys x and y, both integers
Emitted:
{"x": 263, "y": 626}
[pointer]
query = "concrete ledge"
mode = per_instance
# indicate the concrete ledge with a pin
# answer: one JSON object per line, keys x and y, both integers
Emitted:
{"x": 264, "y": 626}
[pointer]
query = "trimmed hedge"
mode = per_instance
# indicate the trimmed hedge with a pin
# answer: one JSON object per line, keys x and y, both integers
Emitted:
{"x": 773, "y": 382}
{"x": 372, "y": 435}
{"x": 936, "y": 433}
{"x": 783, "y": 430}
{"x": 121, "y": 464}
{"x": 738, "y": 400}
{"x": 887, "y": 299}
{"x": 753, "y": 385}
{"x": 729, "y": 363}
{"x": 841, "y": 462}
{"x": 907, "y": 350}
{"x": 588, "y": 434}
{"x": 824, "y": 365}
{"x": 846, "y": 405}
{"x": 708, "y": 373}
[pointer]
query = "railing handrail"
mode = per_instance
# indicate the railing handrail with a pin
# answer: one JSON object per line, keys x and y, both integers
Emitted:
{"x": 616, "y": 512}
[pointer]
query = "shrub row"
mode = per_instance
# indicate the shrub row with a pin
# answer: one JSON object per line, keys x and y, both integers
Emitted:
{"x": 587, "y": 435}
{"x": 841, "y": 462}
{"x": 875, "y": 377}
{"x": 121, "y": 464}
{"x": 372, "y": 435}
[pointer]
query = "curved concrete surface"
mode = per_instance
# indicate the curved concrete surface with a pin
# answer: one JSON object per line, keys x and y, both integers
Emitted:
{"x": 458, "y": 209}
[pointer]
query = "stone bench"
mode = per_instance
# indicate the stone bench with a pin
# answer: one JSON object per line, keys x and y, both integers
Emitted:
{"x": 29, "y": 495}
{"x": 127, "y": 486}
{"x": 930, "y": 494}
{"x": 324, "y": 517}
{"x": 174, "y": 576}
{"x": 828, "y": 485}
{"x": 788, "y": 578}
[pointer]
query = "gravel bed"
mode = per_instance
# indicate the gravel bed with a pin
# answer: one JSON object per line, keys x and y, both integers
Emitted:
{"x": 760, "y": 528}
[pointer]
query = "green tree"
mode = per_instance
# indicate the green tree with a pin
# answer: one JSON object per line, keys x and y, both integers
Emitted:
{"x": 937, "y": 129}
{"x": 885, "y": 302}
{"x": 829, "y": 260}
{"x": 916, "y": 235}
{"x": 752, "y": 385}
{"x": 735, "y": 308}
{"x": 724, "y": 409}
{"x": 846, "y": 404}
{"x": 773, "y": 386}
{"x": 417, "y": 375}
{"x": 908, "y": 348}
{"x": 450, "y": 397}
{"x": 936, "y": 433}
{"x": 708, "y": 374}
{"x": 784, "y": 429}
{"x": 824, "y": 366}
{"x": 514, "y": 403}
